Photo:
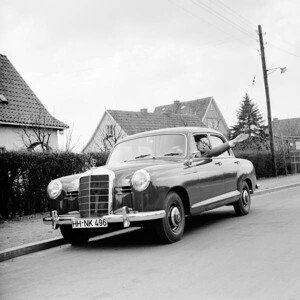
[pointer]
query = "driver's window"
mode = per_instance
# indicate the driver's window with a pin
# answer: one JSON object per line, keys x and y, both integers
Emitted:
{"x": 196, "y": 138}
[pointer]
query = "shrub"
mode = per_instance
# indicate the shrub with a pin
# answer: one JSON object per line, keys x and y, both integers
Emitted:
{"x": 24, "y": 177}
{"x": 262, "y": 161}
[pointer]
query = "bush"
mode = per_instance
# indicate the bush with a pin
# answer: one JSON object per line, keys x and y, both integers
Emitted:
{"x": 262, "y": 161}
{"x": 24, "y": 177}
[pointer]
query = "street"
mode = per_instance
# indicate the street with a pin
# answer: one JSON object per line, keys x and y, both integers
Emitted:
{"x": 221, "y": 256}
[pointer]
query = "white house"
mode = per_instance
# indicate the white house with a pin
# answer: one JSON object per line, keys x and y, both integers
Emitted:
{"x": 24, "y": 121}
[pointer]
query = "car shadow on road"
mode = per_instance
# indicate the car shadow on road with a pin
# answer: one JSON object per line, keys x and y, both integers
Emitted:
{"x": 144, "y": 237}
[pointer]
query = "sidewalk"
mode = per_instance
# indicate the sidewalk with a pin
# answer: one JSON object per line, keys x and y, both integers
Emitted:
{"x": 31, "y": 229}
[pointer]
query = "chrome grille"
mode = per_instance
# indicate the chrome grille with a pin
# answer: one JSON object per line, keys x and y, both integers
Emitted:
{"x": 93, "y": 197}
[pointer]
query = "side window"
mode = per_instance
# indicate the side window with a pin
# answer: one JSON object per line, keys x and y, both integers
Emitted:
{"x": 217, "y": 141}
{"x": 195, "y": 140}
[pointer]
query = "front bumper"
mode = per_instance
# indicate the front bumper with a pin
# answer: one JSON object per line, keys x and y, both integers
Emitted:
{"x": 123, "y": 215}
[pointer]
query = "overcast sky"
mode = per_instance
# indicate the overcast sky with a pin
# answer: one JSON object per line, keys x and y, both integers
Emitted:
{"x": 80, "y": 57}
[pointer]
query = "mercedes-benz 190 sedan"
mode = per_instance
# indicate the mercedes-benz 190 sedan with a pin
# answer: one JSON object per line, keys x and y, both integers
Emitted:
{"x": 153, "y": 179}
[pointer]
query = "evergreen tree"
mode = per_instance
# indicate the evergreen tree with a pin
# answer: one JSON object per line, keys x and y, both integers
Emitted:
{"x": 250, "y": 120}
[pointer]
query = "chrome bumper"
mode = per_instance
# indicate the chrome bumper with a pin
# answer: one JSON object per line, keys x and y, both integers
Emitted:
{"x": 122, "y": 215}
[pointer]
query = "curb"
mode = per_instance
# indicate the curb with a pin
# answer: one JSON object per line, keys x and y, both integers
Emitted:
{"x": 46, "y": 244}
{"x": 276, "y": 189}
{"x": 30, "y": 248}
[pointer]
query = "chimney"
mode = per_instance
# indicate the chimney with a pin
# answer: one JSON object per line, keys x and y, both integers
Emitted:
{"x": 176, "y": 106}
{"x": 144, "y": 111}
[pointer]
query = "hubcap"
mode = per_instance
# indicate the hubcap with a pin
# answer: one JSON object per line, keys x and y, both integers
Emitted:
{"x": 245, "y": 198}
{"x": 175, "y": 217}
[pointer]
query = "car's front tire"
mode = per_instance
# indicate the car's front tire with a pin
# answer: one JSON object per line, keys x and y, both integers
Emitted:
{"x": 170, "y": 229}
{"x": 74, "y": 236}
{"x": 242, "y": 206}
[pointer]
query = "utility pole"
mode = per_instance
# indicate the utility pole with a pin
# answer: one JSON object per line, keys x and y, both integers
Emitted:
{"x": 265, "y": 73}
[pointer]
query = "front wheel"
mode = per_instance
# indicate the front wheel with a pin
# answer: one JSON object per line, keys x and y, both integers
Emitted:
{"x": 74, "y": 236}
{"x": 170, "y": 229}
{"x": 242, "y": 206}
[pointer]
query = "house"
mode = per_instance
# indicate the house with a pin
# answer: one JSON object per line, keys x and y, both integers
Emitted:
{"x": 205, "y": 108}
{"x": 287, "y": 136}
{"x": 116, "y": 124}
{"x": 24, "y": 121}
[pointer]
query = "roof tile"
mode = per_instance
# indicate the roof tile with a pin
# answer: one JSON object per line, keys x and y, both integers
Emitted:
{"x": 23, "y": 106}
{"x": 134, "y": 122}
{"x": 193, "y": 107}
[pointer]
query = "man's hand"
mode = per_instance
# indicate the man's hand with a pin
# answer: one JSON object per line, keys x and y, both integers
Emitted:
{"x": 240, "y": 138}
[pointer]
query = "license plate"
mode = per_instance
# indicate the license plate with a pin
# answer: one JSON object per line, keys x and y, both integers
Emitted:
{"x": 89, "y": 223}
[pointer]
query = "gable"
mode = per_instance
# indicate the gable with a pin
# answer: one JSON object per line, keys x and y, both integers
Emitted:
{"x": 22, "y": 107}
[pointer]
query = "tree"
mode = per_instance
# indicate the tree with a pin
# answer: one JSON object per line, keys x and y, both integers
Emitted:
{"x": 36, "y": 135}
{"x": 250, "y": 120}
{"x": 110, "y": 136}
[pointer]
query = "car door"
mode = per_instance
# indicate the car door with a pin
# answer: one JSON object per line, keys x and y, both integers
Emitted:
{"x": 210, "y": 182}
{"x": 229, "y": 164}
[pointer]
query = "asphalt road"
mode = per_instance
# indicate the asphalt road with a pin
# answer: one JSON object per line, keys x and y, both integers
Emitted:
{"x": 221, "y": 256}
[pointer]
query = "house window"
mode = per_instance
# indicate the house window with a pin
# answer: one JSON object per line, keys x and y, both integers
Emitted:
{"x": 110, "y": 130}
{"x": 213, "y": 123}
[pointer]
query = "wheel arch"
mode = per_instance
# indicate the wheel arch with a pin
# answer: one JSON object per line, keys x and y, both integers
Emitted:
{"x": 249, "y": 182}
{"x": 183, "y": 194}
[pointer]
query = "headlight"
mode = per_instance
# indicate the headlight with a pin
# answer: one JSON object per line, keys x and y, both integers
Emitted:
{"x": 54, "y": 189}
{"x": 140, "y": 180}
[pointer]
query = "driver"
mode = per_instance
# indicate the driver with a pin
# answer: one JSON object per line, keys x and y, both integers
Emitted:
{"x": 205, "y": 150}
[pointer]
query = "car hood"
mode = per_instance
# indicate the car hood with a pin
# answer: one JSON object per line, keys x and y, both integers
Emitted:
{"x": 123, "y": 171}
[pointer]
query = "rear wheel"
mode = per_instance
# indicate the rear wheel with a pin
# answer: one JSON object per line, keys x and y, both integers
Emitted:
{"x": 242, "y": 206}
{"x": 74, "y": 236}
{"x": 170, "y": 229}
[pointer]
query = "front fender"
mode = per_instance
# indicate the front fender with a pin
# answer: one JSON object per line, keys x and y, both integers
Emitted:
{"x": 246, "y": 172}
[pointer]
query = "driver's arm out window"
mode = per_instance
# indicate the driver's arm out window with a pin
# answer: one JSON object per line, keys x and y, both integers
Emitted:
{"x": 217, "y": 141}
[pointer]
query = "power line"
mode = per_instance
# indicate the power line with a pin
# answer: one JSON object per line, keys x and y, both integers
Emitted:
{"x": 224, "y": 19}
{"x": 210, "y": 23}
{"x": 233, "y": 12}
{"x": 284, "y": 50}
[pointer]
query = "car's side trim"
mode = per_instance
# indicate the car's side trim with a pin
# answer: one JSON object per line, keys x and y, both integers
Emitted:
{"x": 216, "y": 199}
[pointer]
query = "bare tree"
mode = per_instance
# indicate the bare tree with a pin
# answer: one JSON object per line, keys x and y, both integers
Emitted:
{"x": 110, "y": 136}
{"x": 69, "y": 145}
{"x": 36, "y": 134}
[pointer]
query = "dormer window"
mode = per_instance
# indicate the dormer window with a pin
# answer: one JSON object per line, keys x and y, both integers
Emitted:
{"x": 3, "y": 99}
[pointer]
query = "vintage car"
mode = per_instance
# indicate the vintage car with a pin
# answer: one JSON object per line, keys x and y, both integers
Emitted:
{"x": 152, "y": 179}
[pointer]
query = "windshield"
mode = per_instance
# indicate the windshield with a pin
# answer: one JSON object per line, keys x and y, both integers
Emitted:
{"x": 164, "y": 145}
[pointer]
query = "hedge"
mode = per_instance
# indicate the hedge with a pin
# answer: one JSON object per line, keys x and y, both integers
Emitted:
{"x": 24, "y": 177}
{"x": 262, "y": 161}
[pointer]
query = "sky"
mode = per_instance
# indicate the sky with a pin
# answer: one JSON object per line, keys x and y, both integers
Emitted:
{"x": 82, "y": 57}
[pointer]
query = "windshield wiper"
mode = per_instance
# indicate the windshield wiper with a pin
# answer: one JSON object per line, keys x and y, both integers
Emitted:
{"x": 172, "y": 154}
{"x": 142, "y": 156}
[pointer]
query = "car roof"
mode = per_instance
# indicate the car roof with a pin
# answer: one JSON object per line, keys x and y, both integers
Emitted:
{"x": 182, "y": 130}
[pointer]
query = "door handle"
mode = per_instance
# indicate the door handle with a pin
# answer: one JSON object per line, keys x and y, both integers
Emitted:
{"x": 237, "y": 162}
{"x": 218, "y": 163}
